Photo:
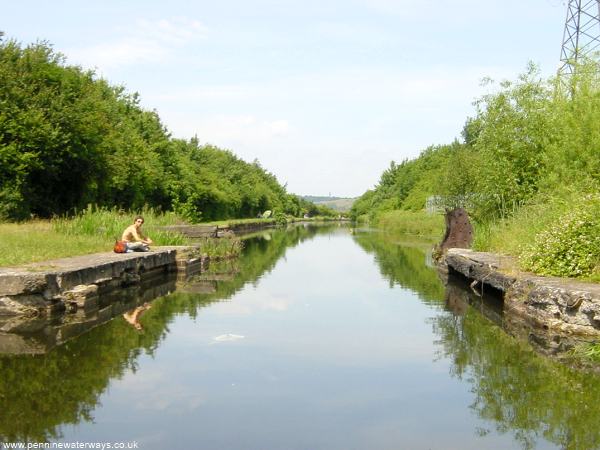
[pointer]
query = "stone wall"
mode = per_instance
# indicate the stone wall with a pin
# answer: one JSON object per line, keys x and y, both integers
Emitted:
{"x": 558, "y": 304}
{"x": 78, "y": 282}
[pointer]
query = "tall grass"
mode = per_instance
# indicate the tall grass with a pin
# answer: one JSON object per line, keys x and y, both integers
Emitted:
{"x": 508, "y": 235}
{"x": 93, "y": 230}
{"x": 110, "y": 223}
{"x": 554, "y": 234}
{"x": 410, "y": 222}
{"x": 221, "y": 248}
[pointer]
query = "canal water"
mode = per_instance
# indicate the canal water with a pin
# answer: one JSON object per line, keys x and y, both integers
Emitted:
{"x": 316, "y": 338}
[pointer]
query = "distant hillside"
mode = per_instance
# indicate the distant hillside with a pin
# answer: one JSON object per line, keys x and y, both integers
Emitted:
{"x": 340, "y": 204}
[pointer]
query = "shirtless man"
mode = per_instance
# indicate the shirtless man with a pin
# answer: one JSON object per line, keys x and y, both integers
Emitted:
{"x": 133, "y": 317}
{"x": 133, "y": 236}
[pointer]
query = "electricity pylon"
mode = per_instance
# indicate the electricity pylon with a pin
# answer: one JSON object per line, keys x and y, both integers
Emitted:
{"x": 582, "y": 33}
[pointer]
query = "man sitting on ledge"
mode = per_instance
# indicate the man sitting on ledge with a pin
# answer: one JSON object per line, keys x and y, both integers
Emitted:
{"x": 136, "y": 241}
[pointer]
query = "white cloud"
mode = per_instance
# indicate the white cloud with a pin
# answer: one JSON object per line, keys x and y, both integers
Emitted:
{"x": 251, "y": 302}
{"x": 232, "y": 131}
{"x": 146, "y": 42}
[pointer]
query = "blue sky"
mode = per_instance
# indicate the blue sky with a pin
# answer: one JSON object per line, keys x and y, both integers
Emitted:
{"x": 323, "y": 93}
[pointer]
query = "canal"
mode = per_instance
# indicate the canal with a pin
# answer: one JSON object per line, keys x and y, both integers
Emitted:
{"x": 316, "y": 338}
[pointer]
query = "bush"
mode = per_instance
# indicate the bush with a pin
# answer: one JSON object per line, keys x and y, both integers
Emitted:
{"x": 571, "y": 246}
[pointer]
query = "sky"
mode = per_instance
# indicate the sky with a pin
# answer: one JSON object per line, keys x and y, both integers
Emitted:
{"x": 325, "y": 94}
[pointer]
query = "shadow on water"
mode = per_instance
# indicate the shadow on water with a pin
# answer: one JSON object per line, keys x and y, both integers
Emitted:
{"x": 515, "y": 390}
{"x": 40, "y": 393}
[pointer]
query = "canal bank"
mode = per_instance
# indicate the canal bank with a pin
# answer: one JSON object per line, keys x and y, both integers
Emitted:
{"x": 68, "y": 284}
{"x": 240, "y": 228}
{"x": 556, "y": 304}
{"x": 77, "y": 282}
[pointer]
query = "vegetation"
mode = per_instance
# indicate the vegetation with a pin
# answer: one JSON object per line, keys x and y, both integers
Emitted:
{"x": 527, "y": 170}
{"x": 69, "y": 139}
{"x": 412, "y": 222}
{"x": 90, "y": 231}
{"x": 404, "y": 265}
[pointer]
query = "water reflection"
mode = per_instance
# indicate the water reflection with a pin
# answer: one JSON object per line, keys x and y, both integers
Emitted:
{"x": 23, "y": 335}
{"x": 328, "y": 352}
{"x": 41, "y": 393}
{"x": 133, "y": 316}
{"x": 515, "y": 391}
{"x": 402, "y": 262}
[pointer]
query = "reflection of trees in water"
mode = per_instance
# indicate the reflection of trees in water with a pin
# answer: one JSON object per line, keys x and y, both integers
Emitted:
{"x": 514, "y": 388}
{"x": 260, "y": 256}
{"x": 39, "y": 394}
{"x": 403, "y": 264}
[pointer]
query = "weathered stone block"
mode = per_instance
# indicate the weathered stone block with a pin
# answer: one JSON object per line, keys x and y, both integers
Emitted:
{"x": 82, "y": 295}
{"x": 15, "y": 282}
{"x": 564, "y": 305}
{"x": 29, "y": 305}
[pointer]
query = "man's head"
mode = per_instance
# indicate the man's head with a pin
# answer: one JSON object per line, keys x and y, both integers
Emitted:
{"x": 138, "y": 221}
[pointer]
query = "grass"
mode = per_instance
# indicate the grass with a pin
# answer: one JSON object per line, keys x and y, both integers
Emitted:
{"x": 37, "y": 241}
{"x": 93, "y": 230}
{"x": 409, "y": 222}
{"x": 221, "y": 248}
{"x": 110, "y": 223}
{"x": 587, "y": 352}
{"x": 224, "y": 223}
{"x": 509, "y": 235}
{"x": 526, "y": 233}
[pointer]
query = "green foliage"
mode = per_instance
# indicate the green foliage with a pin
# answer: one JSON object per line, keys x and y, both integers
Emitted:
{"x": 515, "y": 125}
{"x": 221, "y": 248}
{"x": 410, "y": 222}
{"x": 529, "y": 140}
{"x": 280, "y": 219}
{"x": 588, "y": 351}
{"x": 408, "y": 185}
{"x": 69, "y": 139}
{"x": 571, "y": 246}
{"x": 109, "y": 225}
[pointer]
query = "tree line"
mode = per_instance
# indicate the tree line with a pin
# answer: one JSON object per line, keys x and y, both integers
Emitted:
{"x": 68, "y": 138}
{"x": 530, "y": 155}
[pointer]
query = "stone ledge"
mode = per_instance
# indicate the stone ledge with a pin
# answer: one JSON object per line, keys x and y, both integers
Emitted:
{"x": 560, "y": 304}
{"x": 51, "y": 285}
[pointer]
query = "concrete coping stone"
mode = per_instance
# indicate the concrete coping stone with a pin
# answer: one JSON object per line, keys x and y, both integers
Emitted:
{"x": 49, "y": 277}
{"x": 563, "y": 304}
{"x": 507, "y": 266}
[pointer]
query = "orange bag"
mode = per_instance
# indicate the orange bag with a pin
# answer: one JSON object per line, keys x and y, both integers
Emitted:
{"x": 120, "y": 246}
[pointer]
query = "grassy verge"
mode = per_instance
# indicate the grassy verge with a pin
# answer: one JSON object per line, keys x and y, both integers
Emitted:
{"x": 92, "y": 231}
{"x": 231, "y": 222}
{"x": 37, "y": 241}
{"x": 409, "y": 222}
{"x": 556, "y": 235}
